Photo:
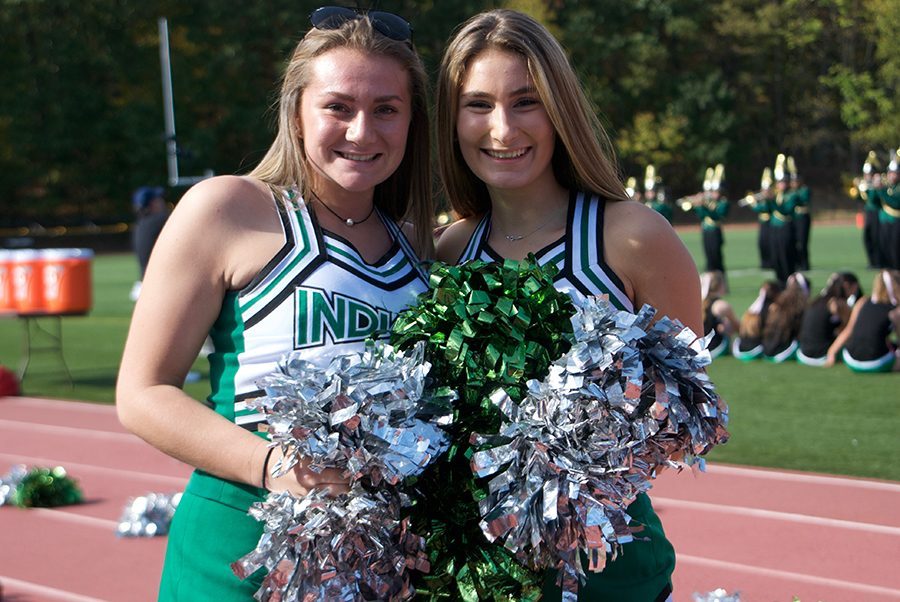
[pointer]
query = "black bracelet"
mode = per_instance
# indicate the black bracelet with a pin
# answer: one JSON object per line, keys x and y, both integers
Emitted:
{"x": 266, "y": 467}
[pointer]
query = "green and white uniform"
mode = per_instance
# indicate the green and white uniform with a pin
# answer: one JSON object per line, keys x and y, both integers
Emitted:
{"x": 643, "y": 572}
{"x": 316, "y": 296}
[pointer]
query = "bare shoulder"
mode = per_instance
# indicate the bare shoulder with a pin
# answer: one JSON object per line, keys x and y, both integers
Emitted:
{"x": 655, "y": 266}
{"x": 454, "y": 238}
{"x": 228, "y": 197}
{"x": 230, "y": 222}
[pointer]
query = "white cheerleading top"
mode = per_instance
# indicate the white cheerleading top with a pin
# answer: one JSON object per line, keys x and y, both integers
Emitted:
{"x": 578, "y": 255}
{"x": 316, "y": 296}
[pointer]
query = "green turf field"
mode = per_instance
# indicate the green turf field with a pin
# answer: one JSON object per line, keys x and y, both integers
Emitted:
{"x": 789, "y": 415}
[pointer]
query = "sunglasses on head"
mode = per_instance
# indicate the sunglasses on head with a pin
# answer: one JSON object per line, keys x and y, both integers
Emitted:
{"x": 389, "y": 25}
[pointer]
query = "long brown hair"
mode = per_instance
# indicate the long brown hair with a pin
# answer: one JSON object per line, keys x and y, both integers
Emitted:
{"x": 407, "y": 193}
{"x": 753, "y": 320}
{"x": 786, "y": 312}
{"x": 583, "y": 158}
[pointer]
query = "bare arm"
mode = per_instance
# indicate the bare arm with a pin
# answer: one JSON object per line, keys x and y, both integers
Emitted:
{"x": 844, "y": 335}
{"x": 656, "y": 268}
{"x": 725, "y": 313}
{"x": 219, "y": 236}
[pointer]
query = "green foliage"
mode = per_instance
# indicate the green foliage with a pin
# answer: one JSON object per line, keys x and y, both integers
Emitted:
{"x": 680, "y": 83}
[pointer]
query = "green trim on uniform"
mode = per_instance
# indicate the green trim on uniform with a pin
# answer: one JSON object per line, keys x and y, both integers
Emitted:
{"x": 364, "y": 266}
{"x": 885, "y": 363}
{"x": 302, "y": 252}
{"x": 227, "y": 335}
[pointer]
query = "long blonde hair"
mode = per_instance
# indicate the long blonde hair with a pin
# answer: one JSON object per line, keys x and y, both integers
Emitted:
{"x": 886, "y": 285}
{"x": 583, "y": 158}
{"x": 407, "y": 193}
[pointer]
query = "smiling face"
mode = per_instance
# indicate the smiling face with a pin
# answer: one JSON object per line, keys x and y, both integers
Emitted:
{"x": 504, "y": 132}
{"x": 354, "y": 118}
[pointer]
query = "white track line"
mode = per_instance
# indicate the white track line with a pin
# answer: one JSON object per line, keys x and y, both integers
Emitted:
{"x": 19, "y": 426}
{"x": 80, "y": 406}
{"x": 792, "y": 577}
{"x": 78, "y": 519}
{"x": 46, "y": 593}
{"x": 796, "y": 477}
{"x": 78, "y": 467}
{"x": 664, "y": 502}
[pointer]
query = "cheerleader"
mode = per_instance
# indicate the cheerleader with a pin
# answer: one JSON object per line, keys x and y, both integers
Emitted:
{"x": 748, "y": 344}
{"x": 720, "y": 323}
{"x": 824, "y": 318}
{"x": 869, "y": 342}
{"x": 783, "y": 321}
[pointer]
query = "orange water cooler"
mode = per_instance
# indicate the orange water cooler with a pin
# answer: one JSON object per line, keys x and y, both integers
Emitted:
{"x": 28, "y": 281}
{"x": 7, "y": 297}
{"x": 66, "y": 277}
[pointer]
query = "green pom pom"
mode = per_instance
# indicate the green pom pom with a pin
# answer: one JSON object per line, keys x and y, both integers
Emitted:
{"x": 486, "y": 325}
{"x": 47, "y": 488}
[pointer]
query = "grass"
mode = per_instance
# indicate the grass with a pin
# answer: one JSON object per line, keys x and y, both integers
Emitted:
{"x": 92, "y": 344}
{"x": 783, "y": 416}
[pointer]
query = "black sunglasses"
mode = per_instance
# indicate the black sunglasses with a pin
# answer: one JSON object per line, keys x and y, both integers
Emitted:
{"x": 389, "y": 25}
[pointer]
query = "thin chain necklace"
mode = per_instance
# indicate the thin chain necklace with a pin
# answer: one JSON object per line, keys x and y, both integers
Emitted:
{"x": 347, "y": 220}
{"x": 518, "y": 237}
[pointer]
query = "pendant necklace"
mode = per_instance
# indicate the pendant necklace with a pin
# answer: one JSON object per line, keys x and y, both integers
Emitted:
{"x": 349, "y": 221}
{"x": 518, "y": 237}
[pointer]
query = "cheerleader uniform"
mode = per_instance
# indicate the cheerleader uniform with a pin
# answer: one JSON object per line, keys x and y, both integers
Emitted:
{"x": 318, "y": 296}
{"x": 750, "y": 348}
{"x": 718, "y": 343}
{"x": 644, "y": 569}
{"x": 867, "y": 349}
{"x": 817, "y": 333}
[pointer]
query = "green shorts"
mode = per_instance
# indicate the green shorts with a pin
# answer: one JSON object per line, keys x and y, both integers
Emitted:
{"x": 641, "y": 572}
{"x": 210, "y": 530}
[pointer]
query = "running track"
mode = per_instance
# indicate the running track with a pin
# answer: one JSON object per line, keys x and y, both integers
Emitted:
{"x": 770, "y": 535}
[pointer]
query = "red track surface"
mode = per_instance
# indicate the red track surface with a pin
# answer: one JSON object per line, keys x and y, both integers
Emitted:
{"x": 769, "y": 535}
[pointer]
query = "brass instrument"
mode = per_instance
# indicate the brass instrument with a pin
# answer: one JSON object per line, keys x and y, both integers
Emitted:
{"x": 765, "y": 184}
{"x": 689, "y": 202}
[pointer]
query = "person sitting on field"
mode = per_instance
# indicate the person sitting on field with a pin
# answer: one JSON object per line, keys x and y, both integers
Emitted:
{"x": 783, "y": 322}
{"x": 869, "y": 341}
{"x": 825, "y": 317}
{"x": 748, "y": 344}
{"x": 719, "y": 321}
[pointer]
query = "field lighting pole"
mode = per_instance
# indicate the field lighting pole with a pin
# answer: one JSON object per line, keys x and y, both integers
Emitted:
{"x": 169, "y": 112}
